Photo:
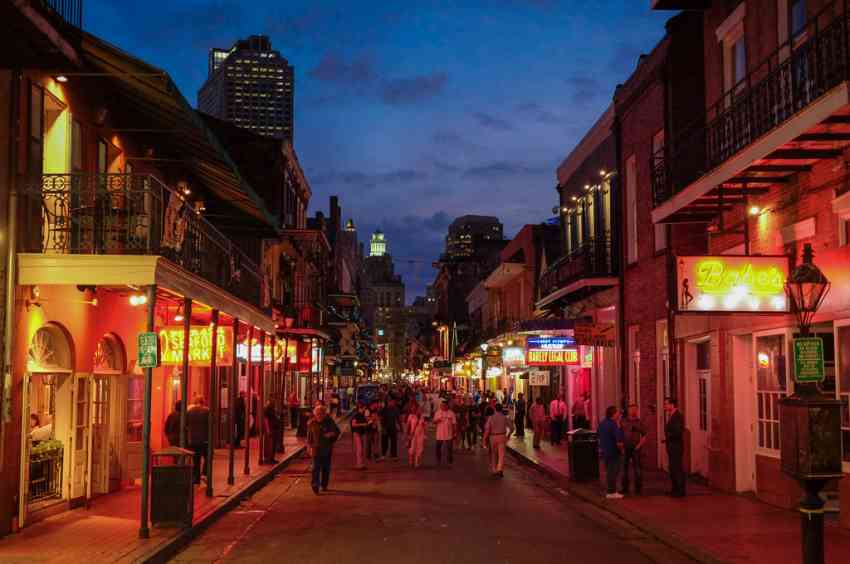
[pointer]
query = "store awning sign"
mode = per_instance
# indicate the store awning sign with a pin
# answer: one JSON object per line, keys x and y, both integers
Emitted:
{"x": 538, "y": 378}
{"x": 513, "y": 357}
{"x": 732, "y": 284}
{"x": 200, "y": 345}
{"x": 551, "y": 351}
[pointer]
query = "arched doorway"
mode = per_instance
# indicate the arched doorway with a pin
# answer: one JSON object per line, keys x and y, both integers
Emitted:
{"x": 108, "y": 366}
{"x": 47, "y": 439}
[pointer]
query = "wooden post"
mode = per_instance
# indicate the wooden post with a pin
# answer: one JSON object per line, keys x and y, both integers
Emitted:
{"x": 231, "y": 405}
{"x": 261, "y": 400}
{"x": 144, "y": 530}
{"x": 184, "y": 377}
{"x": 214, "y": 415}
{"x": 249, "y": 401}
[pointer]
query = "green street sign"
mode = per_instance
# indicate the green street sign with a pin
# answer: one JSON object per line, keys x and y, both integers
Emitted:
{"x": 808, "y": 359}
{"x": 148, "y": 347}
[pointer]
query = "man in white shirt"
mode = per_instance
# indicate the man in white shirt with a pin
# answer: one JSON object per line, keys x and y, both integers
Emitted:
{"x": 446, "y": 423}
{"x": 557, "y": 414}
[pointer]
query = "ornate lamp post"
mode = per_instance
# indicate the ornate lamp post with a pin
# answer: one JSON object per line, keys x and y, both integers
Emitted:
{"x": 484, "y": 347}
{"x": 810, "y": 421}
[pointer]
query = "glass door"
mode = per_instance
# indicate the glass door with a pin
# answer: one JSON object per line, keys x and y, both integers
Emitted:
{"x": 842, "y": 381}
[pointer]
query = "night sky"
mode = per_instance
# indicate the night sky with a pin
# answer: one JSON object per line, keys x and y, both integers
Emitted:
{"x": 416, "y": 111}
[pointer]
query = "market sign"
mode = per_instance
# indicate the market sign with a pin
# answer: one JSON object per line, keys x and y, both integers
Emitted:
{"x": 513, "y": 357}
{"x": 551, "y": 351}
{"x": 743, "y": 284}
{"x": 538, "y": 378}
{"x": 148, "y": 350}
{"x": 200, "y": 345}
{"x": 808, "y": 360}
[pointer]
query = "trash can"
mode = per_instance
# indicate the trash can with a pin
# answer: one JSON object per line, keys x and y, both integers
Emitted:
{"x": 583, "y": 453}
{"x": 172, "y": 488}
{"x": 303, "y": 417}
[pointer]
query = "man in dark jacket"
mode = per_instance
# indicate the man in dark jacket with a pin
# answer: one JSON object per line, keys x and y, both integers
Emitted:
{"x": 611, "y": 444}
{"x": 322, "y": 433}
{"x": 172, "y": 425}
{"x": 197, "y": 427}
{"x": 674, "y": 432}
{"x": 239, "y": 431}
{"x": 390, "y": 426}
{"x": 519, "y": 415}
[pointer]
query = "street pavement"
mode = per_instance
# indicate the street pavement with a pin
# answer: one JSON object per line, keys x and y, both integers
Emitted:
{"x": 391, "y": 513}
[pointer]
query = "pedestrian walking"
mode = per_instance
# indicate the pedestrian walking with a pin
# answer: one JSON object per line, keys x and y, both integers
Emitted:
{"x": 634, "y": 437}
{"x": 557, "y": 414}
{"x": 461, "y": 415}
{"x": 611, "y": 444}
{"x": 390, "y": 427}
{"x": 497, "y": 431}
{"x": 271, "y": 433}
{"x": 197, "y": 427}
{"x": 294, "y": 404}
{"x": 674, "y": 432}
{"x": 359, "y": 428}
{"x": 579, "y": 413}
{"x": 446, "y": 423}
{"x": 473, "y": 414}
{"x": 335, "y": 404}
{"x": 519, "y": 415}
{"x": 537, "y": 415}
{"x": 373, "y": 434}
{"x": 322, "y": 433}
{"x": 415, "y": 437}
{"x": 172, "y": 425}
{"x": 240, "y": 408}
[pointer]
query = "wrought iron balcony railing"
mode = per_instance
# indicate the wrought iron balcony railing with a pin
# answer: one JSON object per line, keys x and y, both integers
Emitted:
{"x": 796, "y": 74}
{"x": 592, "y": 259}
{"x": 124, "y": 214}
{"x": 69, "y": 10}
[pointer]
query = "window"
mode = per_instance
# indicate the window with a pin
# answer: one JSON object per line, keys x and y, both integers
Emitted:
{"x": 660, "y": 228}
{"x": 771, "y": 386}
{"x": 36, "y": 156}
{"x": 703, "y": 370}
{"x": 731, "y": 36}
{"x": 797, "y": 17}
{"x": 631, "y": 210}
{"x": 843, "y": 385}
{"x": 739, "y": 61}
{"x": 77, "y": 146}
{"x": 634, "y": 364}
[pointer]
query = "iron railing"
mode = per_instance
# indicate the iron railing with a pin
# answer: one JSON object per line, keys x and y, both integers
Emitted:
{"x": 796, "y": 74}
{"x": 69, "y": 10}
{"x": 45, "y": 475}
{"x": 133, "y": 214}
{"x": 593, "y": 258}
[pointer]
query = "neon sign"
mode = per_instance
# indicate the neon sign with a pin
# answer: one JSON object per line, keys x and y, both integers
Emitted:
{"x": 200, "y": 346}
{"x": 732, "y": 283}
{"x": 551, "y": 351}
{"x": 513, "y": 357}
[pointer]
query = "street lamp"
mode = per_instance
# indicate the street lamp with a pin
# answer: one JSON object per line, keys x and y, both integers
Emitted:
{"x": 810, "y": 421}
{"x": 484, "y": 347}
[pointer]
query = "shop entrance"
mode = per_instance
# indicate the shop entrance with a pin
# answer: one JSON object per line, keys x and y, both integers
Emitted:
{"x": 105, "y": 435}
{"x": 699, "y": 407}
{"x": 47, "y": 423}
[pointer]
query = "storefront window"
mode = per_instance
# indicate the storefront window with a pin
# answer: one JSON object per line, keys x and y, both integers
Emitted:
{"x": 771, "y": 387}
{"x": 843, "y": 387}
{"x": 135, "y": 398}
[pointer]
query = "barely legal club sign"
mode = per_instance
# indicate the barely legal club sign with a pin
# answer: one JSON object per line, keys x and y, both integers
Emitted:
{"x": 745, "y": 284}
{"x": 551, "y": 351}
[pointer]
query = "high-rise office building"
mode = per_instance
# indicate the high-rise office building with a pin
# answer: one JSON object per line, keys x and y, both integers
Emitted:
{"x": 378, "y": 244}
{"x": 250, "y": 85}
{"x": 468, "y": 234}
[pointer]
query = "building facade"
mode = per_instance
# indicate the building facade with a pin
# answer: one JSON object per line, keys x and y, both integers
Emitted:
{"x": 252, "y": 86}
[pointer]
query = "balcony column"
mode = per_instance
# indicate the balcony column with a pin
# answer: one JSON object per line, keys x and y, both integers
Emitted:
{"x": 231, "y": 404}
{"x": 249, "y": 404}
{"x": 184, "y": 377}
{"x": 144, "y": 530}
{"x": 215, "y": 411}
{"x": 261, "y": 400}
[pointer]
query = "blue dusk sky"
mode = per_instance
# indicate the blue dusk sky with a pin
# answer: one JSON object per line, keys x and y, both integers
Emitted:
{"x": 415, "y": 112}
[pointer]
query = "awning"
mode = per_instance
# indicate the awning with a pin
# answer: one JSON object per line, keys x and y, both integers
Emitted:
{"x": 574, "y": 287}
{"x": 132, "y": 270}
{"x": 303, "y": 332}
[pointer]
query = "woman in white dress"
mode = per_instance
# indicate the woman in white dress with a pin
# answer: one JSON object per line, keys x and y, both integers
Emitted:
{"x": 415, "y": 436}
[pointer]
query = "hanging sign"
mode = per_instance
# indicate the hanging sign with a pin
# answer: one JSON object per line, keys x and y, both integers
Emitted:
{"x": 147, "y": 345}
{"x": 513, "y": 357}
{"x": 200, "y": 345}
{"x": 743, "y": 284}
{"x": 551, "y": 351}
{"x": 538, "y": 378}
{"x": 808, "y": 360}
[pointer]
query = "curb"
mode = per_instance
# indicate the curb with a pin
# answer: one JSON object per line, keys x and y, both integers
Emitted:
{"x": 664, "y": 536}
{"x": 172, "y": 546}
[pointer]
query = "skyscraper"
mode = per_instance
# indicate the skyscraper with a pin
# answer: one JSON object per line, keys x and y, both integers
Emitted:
{"x": 250, "y": 85}
{"x": 468, "y": 234}
{"x": 378, "y": 244}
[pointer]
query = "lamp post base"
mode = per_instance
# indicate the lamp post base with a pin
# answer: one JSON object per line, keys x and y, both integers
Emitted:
{"x": 811, "y": 522}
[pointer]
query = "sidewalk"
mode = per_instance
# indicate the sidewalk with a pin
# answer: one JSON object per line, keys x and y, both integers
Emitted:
{"x": 108, "y": 530}
{"x": 710, "y": 526}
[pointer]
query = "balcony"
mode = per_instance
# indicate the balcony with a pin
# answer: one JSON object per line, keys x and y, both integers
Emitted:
{"x": 591, "y": 265}
{"x": 779, "y": 120}
{"x": 122, "y": 214}
{"x": 69, "y": 10}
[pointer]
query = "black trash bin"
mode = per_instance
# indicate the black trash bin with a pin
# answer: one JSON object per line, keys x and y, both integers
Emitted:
{"x": 584, "y": 455}
{"x": 303, "y": 417}
{"x": 172, "y": 488}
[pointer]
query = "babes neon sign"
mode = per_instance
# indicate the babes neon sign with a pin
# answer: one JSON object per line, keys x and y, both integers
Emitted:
{"x": 754, "y": 284}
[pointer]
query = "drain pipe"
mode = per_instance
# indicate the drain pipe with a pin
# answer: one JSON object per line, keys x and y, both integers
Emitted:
{"x": 11, "y": 248}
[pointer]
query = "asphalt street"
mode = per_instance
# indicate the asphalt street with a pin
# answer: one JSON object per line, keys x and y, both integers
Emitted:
{"x": 394, "y": 514}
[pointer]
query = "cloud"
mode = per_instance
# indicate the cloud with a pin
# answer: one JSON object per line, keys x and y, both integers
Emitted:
{"x": 364, "y": 180}
{"x": 538, "y": 113}
{"x": 502, "y": 169}
{"x": 492, "y": 122}
{"x": 623, "y": 60}
{"x": 333, "y": 68}
{"x": 585, "y": 88}
{"x": 405, "y": 91}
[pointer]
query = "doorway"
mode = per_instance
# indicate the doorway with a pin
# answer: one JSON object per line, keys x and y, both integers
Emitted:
{"x": 699, "y": 405}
